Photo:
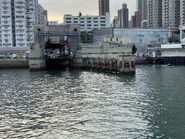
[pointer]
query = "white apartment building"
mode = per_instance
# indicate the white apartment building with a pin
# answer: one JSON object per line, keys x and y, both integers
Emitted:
{"x": 88, "y": 22}
{"x": 17, "y": 18}
{"x": 20, "y": 23}
{"x": 6, "y": 23}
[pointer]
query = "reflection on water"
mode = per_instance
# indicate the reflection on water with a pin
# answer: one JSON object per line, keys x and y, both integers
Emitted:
{"x": 80, "y": 104}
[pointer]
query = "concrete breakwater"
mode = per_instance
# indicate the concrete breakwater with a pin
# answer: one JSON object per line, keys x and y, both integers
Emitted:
{"x": 67, "y": 52}
{"x": 13, "y": 63}
{"x": 122, "y": 64}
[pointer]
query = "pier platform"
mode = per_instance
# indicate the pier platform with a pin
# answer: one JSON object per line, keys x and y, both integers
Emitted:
{"x": 47, "y": 53}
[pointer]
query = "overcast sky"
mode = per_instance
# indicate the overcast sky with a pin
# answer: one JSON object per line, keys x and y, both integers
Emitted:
{"x": 57, "y": 8}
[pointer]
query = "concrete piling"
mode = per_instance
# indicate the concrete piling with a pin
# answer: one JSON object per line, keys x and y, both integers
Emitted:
{"x": 122, "y": 65}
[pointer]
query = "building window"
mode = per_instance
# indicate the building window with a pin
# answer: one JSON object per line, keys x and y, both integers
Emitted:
{"x": 68, "y": 22}
{"x": 102, "y": 21}
{"x": 68, "y": 18}
{"x": 102, "y": 18}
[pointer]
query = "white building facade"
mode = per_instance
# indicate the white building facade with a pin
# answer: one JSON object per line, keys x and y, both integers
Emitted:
{"x": 88, "y": 23}
{"x": 6, "y": 23}
{"x": 173, "y": 50}
{"x": 17, "y": 18}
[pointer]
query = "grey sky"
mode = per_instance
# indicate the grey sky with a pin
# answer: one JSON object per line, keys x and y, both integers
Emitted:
{"x": 57, "y": 8}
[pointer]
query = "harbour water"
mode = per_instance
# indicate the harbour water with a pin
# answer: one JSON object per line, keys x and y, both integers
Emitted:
{"x": 91, "y": 105}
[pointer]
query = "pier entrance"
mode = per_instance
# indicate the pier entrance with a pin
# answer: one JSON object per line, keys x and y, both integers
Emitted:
{"x": 58, "y": 47}
{"x": 58, "y": 56}
{"x": 54, "y": 47}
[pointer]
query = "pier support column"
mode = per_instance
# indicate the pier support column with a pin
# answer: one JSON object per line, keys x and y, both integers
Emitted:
{"x": 110, "y": 64}
{"x": 126, "y": 64}
{"x": 37, "y": 57}
{"x": 103, "y": 63}
{"x": 85, "y": 62}
{"x": 95, "y": 63}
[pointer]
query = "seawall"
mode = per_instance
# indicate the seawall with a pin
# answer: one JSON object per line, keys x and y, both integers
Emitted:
{"x": 11, "y": 63}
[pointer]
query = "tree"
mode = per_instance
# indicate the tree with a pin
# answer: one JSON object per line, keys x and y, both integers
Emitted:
{"x": 86, "y": 37}
{"x": 134, "y": 49}
{"x": 174, "y": 39}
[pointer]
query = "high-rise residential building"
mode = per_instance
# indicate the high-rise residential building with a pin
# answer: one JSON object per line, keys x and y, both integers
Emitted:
{"x": 133, "y": 21}
{"x": 122, "y": 20}
{"x": 170, "y": 13}
{"x": 136, "y": 20}
{"x": 123, "y": 16}
{"x": 104, "y": 7}
{"x": 154, "y": 9}
{"x": 142, "y": 8}
{"x": 182, "y": 12}
{"x": 165, "y": 13}
{"x": 17, "y": 18}
{"x": 116, "y": 22}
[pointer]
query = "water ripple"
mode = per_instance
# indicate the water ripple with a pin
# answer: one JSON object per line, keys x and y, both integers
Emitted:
{"x": 89, "y": 105}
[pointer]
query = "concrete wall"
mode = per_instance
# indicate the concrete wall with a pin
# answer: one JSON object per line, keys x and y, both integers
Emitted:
{"x": 14, "y": 64}
{"x": 121, "y": 64}
{"x": 37, "y": 56}
{"x": 106, "y": 48}
{"x": 43, "y": 34}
